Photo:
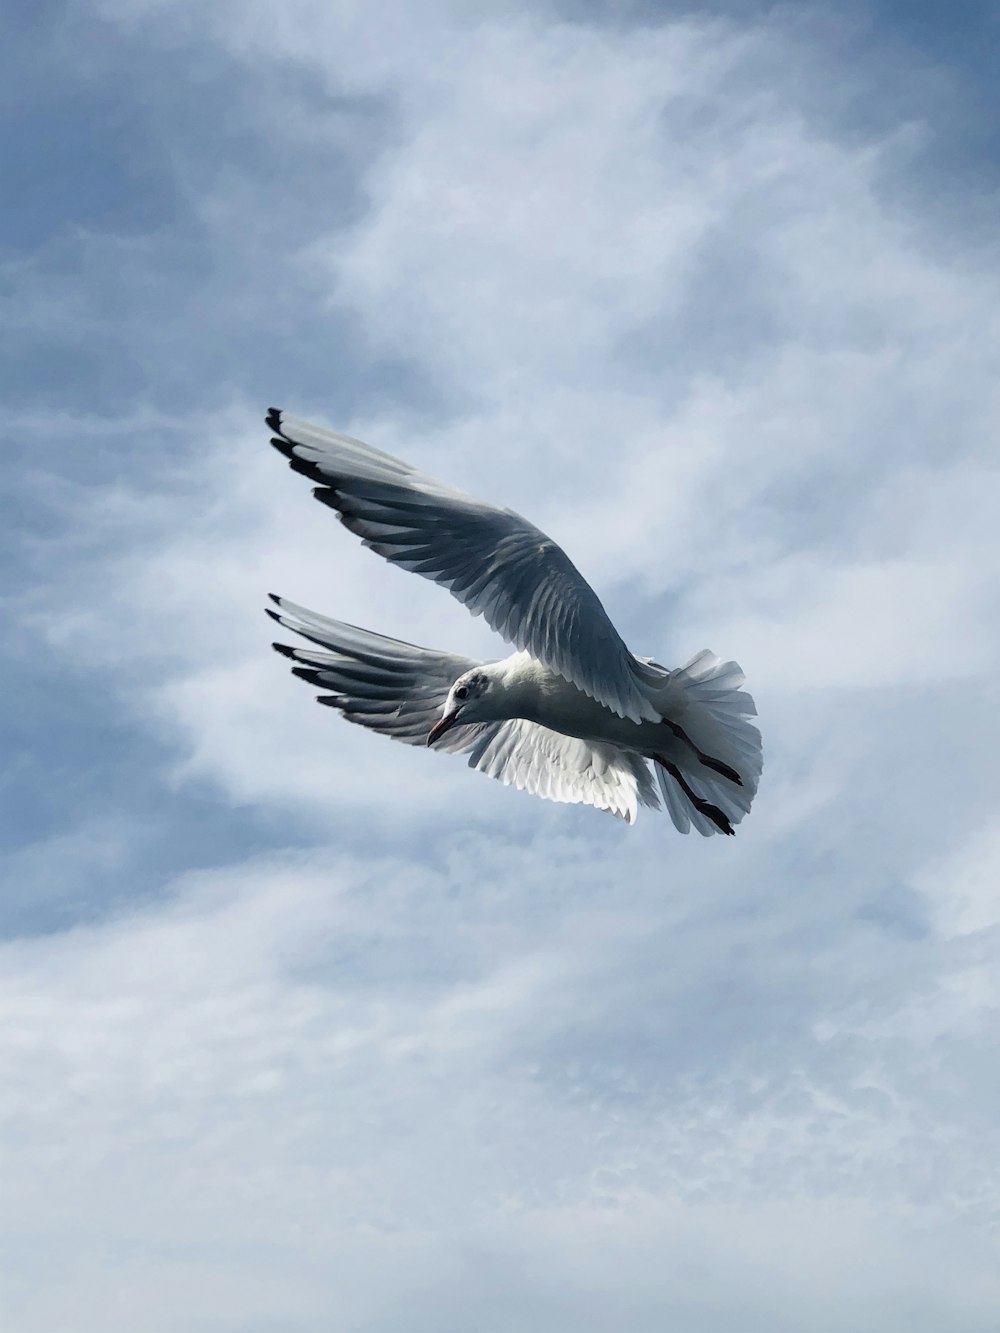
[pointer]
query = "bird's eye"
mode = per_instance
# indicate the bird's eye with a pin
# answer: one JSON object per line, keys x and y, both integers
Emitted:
{"x": 462, "y": 692}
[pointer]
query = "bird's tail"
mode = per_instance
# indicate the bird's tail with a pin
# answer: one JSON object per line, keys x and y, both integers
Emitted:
{"x": 710, "y": 777}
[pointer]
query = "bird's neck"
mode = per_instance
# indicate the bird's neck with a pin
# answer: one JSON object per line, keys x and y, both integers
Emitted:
{"x": 525, "y": 687}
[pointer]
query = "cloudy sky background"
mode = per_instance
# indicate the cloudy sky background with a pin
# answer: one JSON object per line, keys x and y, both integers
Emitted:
{"x": 305, "y": 1030}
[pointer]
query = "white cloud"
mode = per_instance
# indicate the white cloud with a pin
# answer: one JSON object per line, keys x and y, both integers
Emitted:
{"x": 963, "y": 889}
{"x": 311, "y": 1082}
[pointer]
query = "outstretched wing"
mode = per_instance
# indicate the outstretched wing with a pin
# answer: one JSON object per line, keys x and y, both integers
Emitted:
{"x": 399, "y": 689}
{"x": 496, "y": 563}
{"x": 532, "y": 758}
{"x": 381, "y": 683}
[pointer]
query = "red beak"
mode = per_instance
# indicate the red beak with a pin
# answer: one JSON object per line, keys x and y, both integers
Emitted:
{"x": 442, "y": 725}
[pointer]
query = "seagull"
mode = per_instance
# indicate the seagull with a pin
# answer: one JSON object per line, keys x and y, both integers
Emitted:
{"x": 572, "y": 715}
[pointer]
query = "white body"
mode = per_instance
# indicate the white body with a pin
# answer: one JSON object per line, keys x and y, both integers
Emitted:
{"x": 529, "y": 690}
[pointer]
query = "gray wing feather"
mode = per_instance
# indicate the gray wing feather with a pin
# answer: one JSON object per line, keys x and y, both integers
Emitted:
{"x": 399, "y": 690}
{"x": 496, "y": 563}
{"x": 384, "y": 684}
{"x": 545, "y": 763}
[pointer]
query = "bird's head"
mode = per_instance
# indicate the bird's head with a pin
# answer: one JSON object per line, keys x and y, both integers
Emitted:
{"x": 469, "y": 700}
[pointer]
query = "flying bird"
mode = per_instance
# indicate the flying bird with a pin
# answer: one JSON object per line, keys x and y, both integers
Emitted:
{"x": 572, "y": 715}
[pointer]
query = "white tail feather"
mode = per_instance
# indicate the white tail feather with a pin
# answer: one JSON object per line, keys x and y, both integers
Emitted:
{"x": 705, "y": 699}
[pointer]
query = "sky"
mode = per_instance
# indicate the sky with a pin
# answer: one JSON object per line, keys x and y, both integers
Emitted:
{"x": 302, "y": 1029}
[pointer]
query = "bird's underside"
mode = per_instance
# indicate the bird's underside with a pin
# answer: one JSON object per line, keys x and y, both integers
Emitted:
{"x": 573, "y": 716}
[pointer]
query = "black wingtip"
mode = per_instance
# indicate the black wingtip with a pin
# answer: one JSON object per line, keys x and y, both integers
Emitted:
{"x": 287, "y": 450}
{"x": 309, "y": 674}
{"x": 283, "y": 447}
{"x": 273, "y": 614}
{"x": 273, "y": 419}
{"x": 274, "y": 598}
{"x": 283, "y": 648}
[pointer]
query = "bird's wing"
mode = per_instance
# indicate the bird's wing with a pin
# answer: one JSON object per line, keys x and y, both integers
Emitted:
{"x": 532, "y": 758}
{"x": 399, "y": 689}
{"x": 389, "y": 686}
{"x": 496, "y": 563}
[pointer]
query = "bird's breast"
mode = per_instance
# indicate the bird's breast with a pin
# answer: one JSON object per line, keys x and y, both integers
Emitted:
{"x": 558, "y": 704}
